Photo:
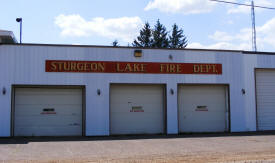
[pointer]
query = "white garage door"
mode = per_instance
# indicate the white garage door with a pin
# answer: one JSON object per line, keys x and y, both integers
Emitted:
{"x": 265, "y": 88}
{"x": 136, "y": 109}
{"x": 202, "y": 108}
{"x": 47, "y": 112}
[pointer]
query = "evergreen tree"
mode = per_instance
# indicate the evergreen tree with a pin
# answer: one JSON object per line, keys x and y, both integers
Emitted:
{"x": 177, "y": 39}
{"x": 160, "y": 39}
{"x": 115, "y": 43}
{"x": 145, "y": 37}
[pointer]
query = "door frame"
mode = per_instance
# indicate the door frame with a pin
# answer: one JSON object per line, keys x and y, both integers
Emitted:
{"x": 256, "y": 99}
{"x": 82, "y": 87}
{"x": 227, "y": 102}
{"x": 142, "y": 84}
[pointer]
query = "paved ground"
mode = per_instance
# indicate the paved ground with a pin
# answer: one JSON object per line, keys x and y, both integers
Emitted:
{"x": 251, "y": 147}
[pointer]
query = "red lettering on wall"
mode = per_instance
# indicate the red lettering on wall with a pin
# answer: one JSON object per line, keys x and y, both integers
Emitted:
{"x": 132, "y": 67}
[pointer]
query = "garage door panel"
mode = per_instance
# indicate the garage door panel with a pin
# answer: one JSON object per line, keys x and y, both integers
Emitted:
{"x": 204, "y": 114}
{"x": 266, "y": 114}
{"x": 265, "y": 93}
{"x": 144, "y": 118}
{"x": 214, "y": 109}
{"x": 149, "y": 116}
{"x": 266, "y": 126}
{"x": 200, "y": 127}
{"x": 210, "y": 101}
{"x": 38, "y": 109}
{"x": 126, "y": 131}
{"x": 202, "y": 108}
{"x": 35, "y": 131}
{"x": 191, "y": 117}
{"x": 127, "y": 109}
{"x": 48, "y": 96}
{"x": 133, "y": 98}
{"x": 210, "y": 108}
{"x": 47, "y": 120}
{"x": 47, "y": 91}
{"x": 266, "y": 118}
{"x": 50, "y": 99}
{"x": 204, "y": 129}
{"x": 137, "y": 125}
{"x": 266, "y": 99}
{"x": 33, "y": 117}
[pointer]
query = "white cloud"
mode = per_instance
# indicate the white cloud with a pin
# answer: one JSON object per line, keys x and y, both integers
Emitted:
{"x": 221, "y": 36}
{"x": 243, "y": 35}
{"x": 124, "y": 28}
{"x": 220, "y": 45}
{"x": 266, "y": 33}
{"x": 230, "y": 22}
{"x": 242, "y": 39}
{"x": 181, "y": 6}
{"x": 246, "y": 9}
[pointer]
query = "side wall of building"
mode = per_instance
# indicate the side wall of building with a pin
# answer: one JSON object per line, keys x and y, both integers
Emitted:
{"x": 25, "y": 65}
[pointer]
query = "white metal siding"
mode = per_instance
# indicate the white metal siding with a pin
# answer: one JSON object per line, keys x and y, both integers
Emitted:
{"x": 147, "y": 97}
{"x": 265, "y": 87}
{"x": 25, "y": 64}
{"x": 209, "y": 118}
{"x": 29, "y": 117}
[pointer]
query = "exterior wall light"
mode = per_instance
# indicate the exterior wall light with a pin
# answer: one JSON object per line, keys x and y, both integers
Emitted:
{"x": 98, "y": 92}
{"x": 243, "y": 91}
{"x": 171, "y": 91}
{"x": 138, "y": 53}
{"x": 4, "y": 91}
{"x": 170, "y": 57}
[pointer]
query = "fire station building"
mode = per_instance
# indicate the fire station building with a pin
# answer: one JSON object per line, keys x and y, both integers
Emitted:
{"x": 74, "y": 90}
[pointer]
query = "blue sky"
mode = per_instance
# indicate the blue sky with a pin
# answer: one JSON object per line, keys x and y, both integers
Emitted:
{"x": 99, "y": 22}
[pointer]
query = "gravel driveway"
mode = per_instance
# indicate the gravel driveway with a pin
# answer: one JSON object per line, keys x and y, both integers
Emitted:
{"x": 255, "y": 147}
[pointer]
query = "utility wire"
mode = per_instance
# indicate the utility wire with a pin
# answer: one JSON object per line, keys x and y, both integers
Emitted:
{"x": 242, "y": 4}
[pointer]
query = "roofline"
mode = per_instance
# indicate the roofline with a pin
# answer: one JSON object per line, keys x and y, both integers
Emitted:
{"x": 253, "y": 52}
{"x": 130, "y": 47}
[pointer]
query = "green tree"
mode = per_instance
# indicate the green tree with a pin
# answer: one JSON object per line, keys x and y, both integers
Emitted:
{"x": 160, "y": 39}
{"x": 177, "y": 39}
{"x": 115, "y": 43}
{"x": 145, "y": 37}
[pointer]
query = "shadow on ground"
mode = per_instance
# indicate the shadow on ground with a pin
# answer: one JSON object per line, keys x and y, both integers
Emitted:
{"x": 26, "y": 140}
